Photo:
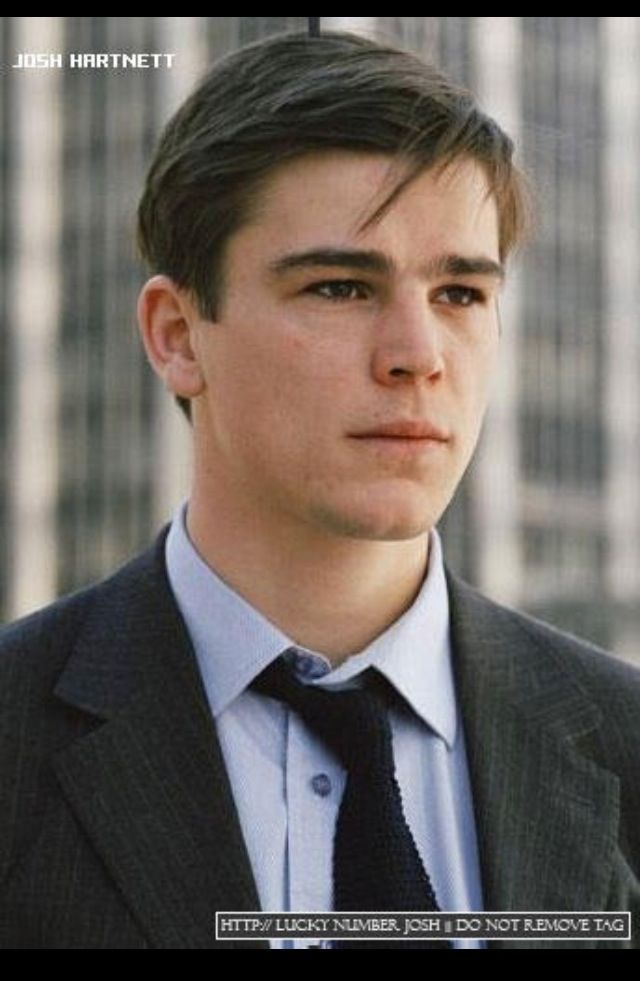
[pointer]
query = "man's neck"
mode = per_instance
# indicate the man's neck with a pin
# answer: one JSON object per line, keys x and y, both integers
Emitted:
{"x": 330, "y": 594}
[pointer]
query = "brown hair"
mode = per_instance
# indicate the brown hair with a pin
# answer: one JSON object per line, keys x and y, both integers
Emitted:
{"x": 291, "y": 95}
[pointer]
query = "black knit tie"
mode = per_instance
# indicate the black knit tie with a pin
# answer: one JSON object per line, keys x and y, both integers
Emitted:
{"x": 376, "y": 865}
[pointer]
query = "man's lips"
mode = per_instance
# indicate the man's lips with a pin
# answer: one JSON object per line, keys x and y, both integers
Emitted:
{"x": 405, "y": 429}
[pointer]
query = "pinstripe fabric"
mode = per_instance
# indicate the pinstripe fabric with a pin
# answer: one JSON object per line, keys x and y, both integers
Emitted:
{"x": 552, "y": 727}
{"x": 118, "y": 828}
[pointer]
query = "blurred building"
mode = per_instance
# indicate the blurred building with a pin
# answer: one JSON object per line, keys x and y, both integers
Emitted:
{"x": 93, "y": 454}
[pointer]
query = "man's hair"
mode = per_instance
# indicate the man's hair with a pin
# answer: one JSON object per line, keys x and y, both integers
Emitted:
{"x": 292, "y": 95}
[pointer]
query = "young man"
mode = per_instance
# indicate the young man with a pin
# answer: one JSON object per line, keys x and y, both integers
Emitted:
{"x": 327, "y": 222}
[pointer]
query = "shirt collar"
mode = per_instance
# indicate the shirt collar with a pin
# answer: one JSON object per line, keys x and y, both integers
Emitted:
{"x": 234, "y": 642}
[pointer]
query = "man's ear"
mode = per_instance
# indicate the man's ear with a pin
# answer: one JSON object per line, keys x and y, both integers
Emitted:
{"x": 167, "y": 319}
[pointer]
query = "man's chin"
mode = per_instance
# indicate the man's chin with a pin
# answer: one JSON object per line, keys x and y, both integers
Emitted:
{"x": 385, "y": 526}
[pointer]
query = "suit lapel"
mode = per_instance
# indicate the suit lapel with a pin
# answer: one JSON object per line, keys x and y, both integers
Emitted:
{"x": 149, "y": 784}
{"x": 544, "y": 809}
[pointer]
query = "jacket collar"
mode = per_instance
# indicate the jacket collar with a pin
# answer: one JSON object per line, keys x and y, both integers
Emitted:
{"x": 149, "y": 785}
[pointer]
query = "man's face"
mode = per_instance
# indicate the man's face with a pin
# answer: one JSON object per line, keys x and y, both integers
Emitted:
{"x": 347, "y": 373}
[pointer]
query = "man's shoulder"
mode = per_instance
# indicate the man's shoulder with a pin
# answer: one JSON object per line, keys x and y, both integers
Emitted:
{"x": 39, "y": 643}
{"x": 93, "y": 631}
{"x": 538, "y": 648}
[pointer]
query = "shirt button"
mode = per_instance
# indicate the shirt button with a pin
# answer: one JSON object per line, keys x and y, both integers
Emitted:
{"x": 321, "y": 784}
{"x": 310, "y": 667}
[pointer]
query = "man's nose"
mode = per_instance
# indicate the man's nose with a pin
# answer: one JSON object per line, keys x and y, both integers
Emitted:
{"x": 408, "y": 342}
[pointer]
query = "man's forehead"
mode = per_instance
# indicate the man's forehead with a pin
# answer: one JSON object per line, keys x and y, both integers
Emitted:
{"x": 318, "y": 211}
{"x": 343, "y": 194}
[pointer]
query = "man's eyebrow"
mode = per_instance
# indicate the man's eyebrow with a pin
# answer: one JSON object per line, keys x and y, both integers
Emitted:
{"x": 367, "y": 260}
{"x": 465, "y": 265}
{"x": 370, "y": 260}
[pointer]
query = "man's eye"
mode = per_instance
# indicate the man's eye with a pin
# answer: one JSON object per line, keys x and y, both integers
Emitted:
{"x": 339, "y": 289}
{"x": 462, "y": 296}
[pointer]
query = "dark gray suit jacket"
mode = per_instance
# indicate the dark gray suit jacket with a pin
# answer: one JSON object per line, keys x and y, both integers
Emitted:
{"x": 117, "y": 823}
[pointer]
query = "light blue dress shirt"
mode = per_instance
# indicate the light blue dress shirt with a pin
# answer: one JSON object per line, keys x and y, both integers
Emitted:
{"x": 286, "y": 783}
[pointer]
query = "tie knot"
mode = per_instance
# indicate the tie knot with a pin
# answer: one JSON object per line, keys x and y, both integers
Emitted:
{"x": 353, "y": 722}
